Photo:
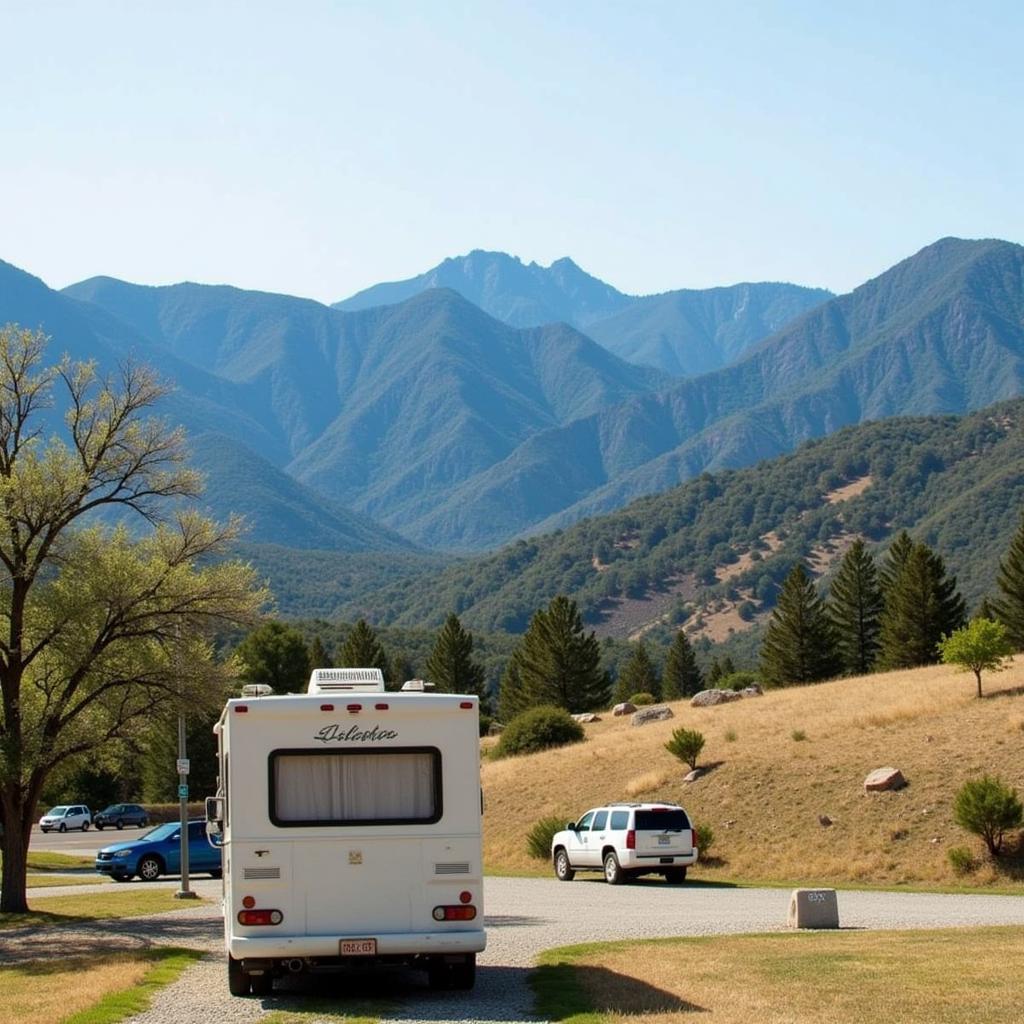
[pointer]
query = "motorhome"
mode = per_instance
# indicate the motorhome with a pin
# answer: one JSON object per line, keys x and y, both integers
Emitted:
{"x": 349, "y": 820}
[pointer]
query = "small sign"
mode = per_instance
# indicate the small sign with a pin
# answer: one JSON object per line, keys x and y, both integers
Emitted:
{"x": 183, "y": 792}
{"x": 355, "y": 856}
{"x": 357, "y": 947}
{"x": 182, "y": 765}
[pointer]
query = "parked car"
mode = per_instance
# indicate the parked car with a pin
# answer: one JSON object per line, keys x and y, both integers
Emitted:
{"x": 60, "y": 819}
{"x": 158, "y": 853}
{"x": 624, "y": 841}
{"x": 119, "y": 815}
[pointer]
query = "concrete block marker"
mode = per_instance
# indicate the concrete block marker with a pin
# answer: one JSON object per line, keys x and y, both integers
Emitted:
{"x": 813, "y": 908}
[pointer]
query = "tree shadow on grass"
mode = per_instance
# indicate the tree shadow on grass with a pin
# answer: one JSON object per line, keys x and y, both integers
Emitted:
{"x": 564, "y": 990}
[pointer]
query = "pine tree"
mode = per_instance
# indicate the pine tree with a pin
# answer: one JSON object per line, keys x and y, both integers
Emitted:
{"x": 1009, "y": 607}
{"x": 450, "y": 666}
{"x": 557, "y": 663}
{"x": 682, "y": 676}
{"x": 362, "y": 649}
{"x": 512, "y": 696}
{"x": 855, "y": 608}
{"x": 319, "y": 657}
{"x": 894, "y": 559}
{"x": 638, "y": 676}
{"x": 400, "y": 669}
{"x": 798, "y": 646}
{"x": 921, "y": 606}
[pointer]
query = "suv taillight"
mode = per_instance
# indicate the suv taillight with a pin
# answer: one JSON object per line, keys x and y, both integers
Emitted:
{"x": 631, "y": 840}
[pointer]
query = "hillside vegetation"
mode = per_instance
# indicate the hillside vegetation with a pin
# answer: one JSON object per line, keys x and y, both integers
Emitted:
{"x": 767, "y": 789}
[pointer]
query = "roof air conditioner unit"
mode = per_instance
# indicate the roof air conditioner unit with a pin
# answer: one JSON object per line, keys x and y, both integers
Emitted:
{"x": 346, "y": 680}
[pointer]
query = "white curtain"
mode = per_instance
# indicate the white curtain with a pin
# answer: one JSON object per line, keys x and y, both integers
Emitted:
{"x": 354, "y": 787}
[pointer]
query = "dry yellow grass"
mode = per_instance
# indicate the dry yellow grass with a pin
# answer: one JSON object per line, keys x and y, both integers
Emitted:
{"x": 765, "y": 793}
{"x": 41, "y": 993}
{"x": 955, "y": 977}
{"x": 649, "y": 782}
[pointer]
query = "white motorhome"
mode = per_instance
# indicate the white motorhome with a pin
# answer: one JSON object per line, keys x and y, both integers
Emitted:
{"x": 350, "y": 825}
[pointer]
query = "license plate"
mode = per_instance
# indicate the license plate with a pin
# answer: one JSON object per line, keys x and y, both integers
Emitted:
{"x": 357, "y": 947}
{"x": 664, "y": 840}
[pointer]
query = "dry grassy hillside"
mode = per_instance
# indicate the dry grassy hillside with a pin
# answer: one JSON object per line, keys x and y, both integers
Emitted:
{"x": 767, "y": 790}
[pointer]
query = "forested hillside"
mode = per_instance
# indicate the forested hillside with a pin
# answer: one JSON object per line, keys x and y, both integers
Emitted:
{"x": 956, "y": 483}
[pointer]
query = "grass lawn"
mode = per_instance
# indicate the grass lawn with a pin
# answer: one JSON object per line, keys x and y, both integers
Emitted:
{"x": 99, "y": 989}
{"x": 961, "y": 976}
{"x": 45, "y": 861}
{"x": 57, "y": 910}
{"x": 42, "y": 881}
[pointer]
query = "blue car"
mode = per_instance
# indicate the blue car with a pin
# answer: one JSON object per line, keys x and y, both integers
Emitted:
{"x": 158, "y": 853}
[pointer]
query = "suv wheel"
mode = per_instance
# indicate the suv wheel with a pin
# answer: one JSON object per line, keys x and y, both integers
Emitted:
{"x": 62, "y": 827}
{"x": 85, "y": 826}
{"x": 563, "y": 870}
{"x": 613, "y": 873}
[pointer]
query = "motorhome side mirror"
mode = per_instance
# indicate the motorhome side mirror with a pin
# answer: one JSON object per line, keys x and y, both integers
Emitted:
{"x": 214, "y": 817}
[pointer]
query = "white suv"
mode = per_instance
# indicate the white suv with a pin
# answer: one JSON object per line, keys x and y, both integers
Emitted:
{"x": 66, "y": 816}
{"x": 625, "y": 840}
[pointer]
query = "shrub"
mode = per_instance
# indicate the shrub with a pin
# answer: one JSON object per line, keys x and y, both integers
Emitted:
{"x": 798, "y": 735}
{"x": 538, "y": 729}
{"x": 739, "y": 681}
{"x": 686, "y": 744}
{"x": 703, "y": 839}
{"x": 538, "y": 839}
{"x": 640, "y": 699}
{"x": 730, "y": 735}
{"x": 960, "y": 860}
{"x": 988, "y": 808}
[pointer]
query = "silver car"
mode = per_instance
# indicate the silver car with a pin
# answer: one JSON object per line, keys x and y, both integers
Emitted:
{"x": 60, "y": 819}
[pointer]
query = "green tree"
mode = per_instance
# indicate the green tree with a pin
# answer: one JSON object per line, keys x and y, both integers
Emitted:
{"x": 101, "y": 629}
{"x": 512, "y": 696}
{"x": 400, "y": 670}
{"x": 855, "y": 609}
{"x": 362, "y": 649}
{"x": 450, "y": 665}
{"x": 1009, "y": 606}
{"x": 319, "y": 656}
{"x": 894, "y": 559}
{"x": 980, "y": 646}
{"x": 798, "y": 645}
{"x": 682, "y": 676}
{"x": 686, "y": 744}
{"x": 921, "y": 606}
{"x": 638, "y": 676}
{"x": 276, "y": 655}
{"x": 988, "y": 808}
{"x": 557, "y": 663}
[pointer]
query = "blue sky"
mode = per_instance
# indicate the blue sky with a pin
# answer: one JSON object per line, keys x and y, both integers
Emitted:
{"x": 317, "y": 148}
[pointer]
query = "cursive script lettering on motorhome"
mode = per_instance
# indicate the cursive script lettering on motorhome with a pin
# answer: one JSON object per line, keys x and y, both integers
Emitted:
{"x": 335, "y": 733}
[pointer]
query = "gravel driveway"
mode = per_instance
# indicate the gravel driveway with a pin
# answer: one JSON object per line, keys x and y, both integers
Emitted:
{"x": 524, "y": 916}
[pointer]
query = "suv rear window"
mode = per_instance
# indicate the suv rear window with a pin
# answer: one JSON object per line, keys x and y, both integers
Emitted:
{"x": 662, "y": 821}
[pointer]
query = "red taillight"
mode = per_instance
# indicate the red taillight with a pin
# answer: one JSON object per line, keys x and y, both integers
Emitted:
{"x": 326, "y": 707}
{"x": 248, "y": 902}
{"x": 466, "y": 705}
{"x": 260, "y": 917}
{"x": 241, "y": 708}
{"x": 454, "y": 913}
{"x": 631, "y": 840}
{"x": 382, "y": 707}
{"x": 354, "y": 709}
{"x": 465, "y": 896}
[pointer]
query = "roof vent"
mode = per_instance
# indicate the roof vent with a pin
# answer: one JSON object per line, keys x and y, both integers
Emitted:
{"x": 416, "y": 686}
{"x": 346, "y": 680}
{"x": 257, "y": 690}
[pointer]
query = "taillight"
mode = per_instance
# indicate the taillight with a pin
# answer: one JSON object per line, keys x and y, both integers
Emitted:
{"x": 326, "y": 707}
{"x": 466, "y": 705}
{"x": 454, "y": 913}
{"x": 382, "y": 707}
{"x": 354, "y": 709}
{"x": 240, "y": 709}
{"x": 260, "y": 917}
{"x": 631, "y": 840}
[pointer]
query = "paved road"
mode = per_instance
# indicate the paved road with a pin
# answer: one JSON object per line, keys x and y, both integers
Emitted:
{"x": 524, "y": 916}
{"x": 80, "y": 844}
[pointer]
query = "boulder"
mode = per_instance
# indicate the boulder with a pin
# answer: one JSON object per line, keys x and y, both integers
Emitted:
{"x": 813, "y": 908}
{"x": 623, "y": 709}
{"x": 651, "y": 713}
{"x": 694, "y": 775}
{"x": 586, "y": 717}
{"x": 884, "y": 778}
{"x": 709, "y": 698}
{"x": 751, "y": 691}
{"x": 824, "y": 820}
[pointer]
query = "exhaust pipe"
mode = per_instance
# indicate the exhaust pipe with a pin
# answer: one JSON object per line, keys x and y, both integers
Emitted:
{"x": 295, "y": 965}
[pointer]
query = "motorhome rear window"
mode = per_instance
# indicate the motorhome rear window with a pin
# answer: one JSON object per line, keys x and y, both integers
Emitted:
{"x": 661, "y": 821}
{"x": 397, "y": 786}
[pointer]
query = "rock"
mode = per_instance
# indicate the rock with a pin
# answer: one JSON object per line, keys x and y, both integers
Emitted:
{"x": 623, "y": 709}
{"x": 884, "y": 778}
{"x": 495, "y": 729}
{"x": 652, "y": 713}
{"x": 709, "y": 698}
{"x": 824, "y": 820}
{"x": 586, "y": 717}
{"x": 751, "y": 691}
{"x": 694, "y": 775}
{"x": 813, "y": 908}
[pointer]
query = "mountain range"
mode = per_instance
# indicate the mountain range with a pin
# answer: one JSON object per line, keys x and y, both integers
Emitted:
{"x": 431, "y": 421}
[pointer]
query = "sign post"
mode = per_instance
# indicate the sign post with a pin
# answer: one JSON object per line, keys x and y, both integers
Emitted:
{"x": 184, "y": 893}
